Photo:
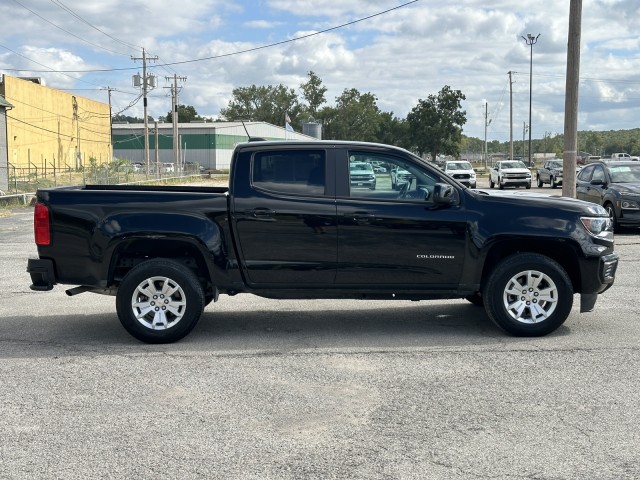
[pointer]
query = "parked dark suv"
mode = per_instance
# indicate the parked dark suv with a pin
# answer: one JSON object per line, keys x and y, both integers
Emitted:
{"x": 615, "y": 186}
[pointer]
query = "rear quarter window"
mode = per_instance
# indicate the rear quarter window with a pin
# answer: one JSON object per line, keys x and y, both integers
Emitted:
{"x": 290, "y": 172}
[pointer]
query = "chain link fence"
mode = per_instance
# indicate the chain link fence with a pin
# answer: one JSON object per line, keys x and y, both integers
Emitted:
{"x": 23, "y": 182}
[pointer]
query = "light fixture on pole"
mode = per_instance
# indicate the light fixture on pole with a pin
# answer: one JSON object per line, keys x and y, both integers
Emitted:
{"x": 531, "y": 41}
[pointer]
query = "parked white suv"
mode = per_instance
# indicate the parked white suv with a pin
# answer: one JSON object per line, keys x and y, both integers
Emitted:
{"x": 462, "y": 171}
{"x": 510, "y": 173}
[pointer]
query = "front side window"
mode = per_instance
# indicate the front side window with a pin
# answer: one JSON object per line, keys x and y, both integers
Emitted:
{"x": 598, "y": 173}
{"x": 299, "y": 172}
{"x": 585, "y": 174}
{"x": 386, "y": 177}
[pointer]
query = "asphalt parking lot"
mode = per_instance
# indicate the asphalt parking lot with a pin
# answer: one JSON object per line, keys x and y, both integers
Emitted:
{"x": 266, "y": 389}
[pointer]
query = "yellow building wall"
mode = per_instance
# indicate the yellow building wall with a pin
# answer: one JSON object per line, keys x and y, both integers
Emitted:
{"x": 48, "y": 127}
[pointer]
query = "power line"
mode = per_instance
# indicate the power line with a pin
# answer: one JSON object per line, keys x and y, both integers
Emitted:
{"x": 71, "y": 12}
{"x": 67, "y": 31}
{"x": 248, "y": 50}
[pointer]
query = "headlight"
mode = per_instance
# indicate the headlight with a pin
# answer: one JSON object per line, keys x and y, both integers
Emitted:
{"x": 628, "y": 205}
{"x": 596, "y": 225}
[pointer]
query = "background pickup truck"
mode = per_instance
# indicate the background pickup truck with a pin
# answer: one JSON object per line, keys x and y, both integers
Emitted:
{"x": 550, "y": 172}
{"x": 293, "y": 224}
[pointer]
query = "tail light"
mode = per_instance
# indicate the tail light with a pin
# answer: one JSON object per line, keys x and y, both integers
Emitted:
{"x": 41, "y": 227}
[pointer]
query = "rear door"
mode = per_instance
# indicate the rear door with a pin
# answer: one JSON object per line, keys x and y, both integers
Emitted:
{"x": 285, "y": 218}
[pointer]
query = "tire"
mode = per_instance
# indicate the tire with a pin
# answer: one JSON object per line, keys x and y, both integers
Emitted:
{"x": 528, "y": 186}
{"x": 491, "y": 184}
{"x": 612, "y": 215}
{"x": 500, "y": 184}
{"x": 538, "y": 309}
{"x": 553, "y": 183}
{"x": 540, "y": 183}
{"x": 159, "y": 301}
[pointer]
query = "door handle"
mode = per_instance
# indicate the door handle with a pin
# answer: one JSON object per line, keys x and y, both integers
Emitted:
{"x": 362, "y": 218}
{"x": 260, "y": 213}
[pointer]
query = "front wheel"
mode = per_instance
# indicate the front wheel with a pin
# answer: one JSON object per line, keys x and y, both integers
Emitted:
{"x": 612, "y": 215}
{"x": 528, "y": 295}
{"x": 159, "y": 301}
{"x": 540, "y": 182}
{"x": 491, "y": 183}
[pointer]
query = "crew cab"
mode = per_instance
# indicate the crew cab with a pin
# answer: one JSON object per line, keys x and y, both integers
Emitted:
{"x": 462, "y": 171}
{"x": 550, "y": 172}
{"x": 291, "y": 225}
{"x": 509, "y": 173}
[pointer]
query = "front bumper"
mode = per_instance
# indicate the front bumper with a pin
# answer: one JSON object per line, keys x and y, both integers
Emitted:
{"x": 597, "y": 277}
{"x": 508, "y": 182}
{"x": 42, "y": 273}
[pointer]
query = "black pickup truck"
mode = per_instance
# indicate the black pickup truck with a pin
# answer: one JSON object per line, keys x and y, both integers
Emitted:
{"x": 295, "y": 223}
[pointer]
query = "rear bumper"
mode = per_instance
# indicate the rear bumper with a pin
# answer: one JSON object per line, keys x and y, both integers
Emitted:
{"x": 42, "y": 273}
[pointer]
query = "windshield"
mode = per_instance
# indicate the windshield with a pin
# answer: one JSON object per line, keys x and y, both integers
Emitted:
{"x": 458, "y": 166}
{"x": 360, "y": 168}
{"x": 625, "y": 173}
{"x": 557, "y": 164}
{"x": 513, "y": 165}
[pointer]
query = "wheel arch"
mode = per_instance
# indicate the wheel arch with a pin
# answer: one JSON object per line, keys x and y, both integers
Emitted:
{"x": 563, "y": 252}
{"x": 187, "y": 251}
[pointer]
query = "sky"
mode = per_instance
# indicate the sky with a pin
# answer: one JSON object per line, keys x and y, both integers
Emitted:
{"x": 400, "y": 51}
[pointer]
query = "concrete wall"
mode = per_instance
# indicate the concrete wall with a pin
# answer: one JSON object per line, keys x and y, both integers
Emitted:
{"x": 4, "y": 167}
{"x": 48, "y": 128}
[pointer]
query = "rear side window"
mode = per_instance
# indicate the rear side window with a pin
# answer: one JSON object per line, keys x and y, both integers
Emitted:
{"x": 299, "y": 172}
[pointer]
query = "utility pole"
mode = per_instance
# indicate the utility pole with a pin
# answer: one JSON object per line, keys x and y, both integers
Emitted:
{"x": 109, "y": 90}
{"x": 510, "y": 116}
{"x": 571, "y": 101}
{"x": 145, "y": 82}
{"x": 531, "y": 41}
{"x": 157, "y": 153}
{"x": 175, "y": 119}
{"x": 487, "y": 122}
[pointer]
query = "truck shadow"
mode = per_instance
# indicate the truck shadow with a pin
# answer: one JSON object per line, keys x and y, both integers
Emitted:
{"x": 394, "y": 326}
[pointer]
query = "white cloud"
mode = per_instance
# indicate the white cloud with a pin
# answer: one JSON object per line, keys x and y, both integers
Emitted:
{"x": 401, "y": 56}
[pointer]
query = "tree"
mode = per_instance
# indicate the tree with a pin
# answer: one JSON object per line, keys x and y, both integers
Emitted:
{"x": 393, "y": 130}
{"x": 435, "y": 124}
{"x": 186, "y": 113}
{"x": 313, "y": 92}
{"x": 262, "y": 104}
{"x": 355, "y": 117}
{"x": 126, "y": 118}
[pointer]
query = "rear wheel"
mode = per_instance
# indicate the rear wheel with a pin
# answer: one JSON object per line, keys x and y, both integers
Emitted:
{"x": 528, "y": 295}
{"x": 159, "y": 301}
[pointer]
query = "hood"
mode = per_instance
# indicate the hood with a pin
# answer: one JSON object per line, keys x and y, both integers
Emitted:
{"x": 627, "y": 188}
{"x": 539, "y": 200}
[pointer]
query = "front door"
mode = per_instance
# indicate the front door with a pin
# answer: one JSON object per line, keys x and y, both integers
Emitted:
{"x": 395, "y": 234}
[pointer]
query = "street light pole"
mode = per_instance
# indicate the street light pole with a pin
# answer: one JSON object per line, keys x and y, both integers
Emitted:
{"x": 531, "y": 41}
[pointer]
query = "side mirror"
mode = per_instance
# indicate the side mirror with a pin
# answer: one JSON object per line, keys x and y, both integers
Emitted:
{"x": 444, "y": 194}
